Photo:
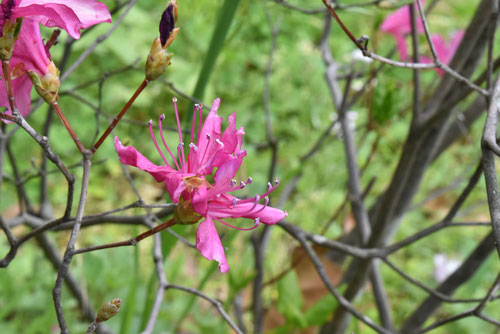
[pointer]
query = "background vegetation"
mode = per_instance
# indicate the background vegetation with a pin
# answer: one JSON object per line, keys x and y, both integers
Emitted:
{"x": 301, "y": 109}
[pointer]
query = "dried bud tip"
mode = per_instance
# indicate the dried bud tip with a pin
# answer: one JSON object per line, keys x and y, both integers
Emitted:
{"x": 108, "y": 310}
{"x": 167, "y": 22}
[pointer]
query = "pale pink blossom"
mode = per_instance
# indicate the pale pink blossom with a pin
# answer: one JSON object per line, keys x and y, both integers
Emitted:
{"x": 186, "y": 179}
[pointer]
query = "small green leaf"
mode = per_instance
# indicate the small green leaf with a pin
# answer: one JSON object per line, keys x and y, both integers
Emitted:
{"x": 290, "y": 300}
{"x": 319, "y": 312}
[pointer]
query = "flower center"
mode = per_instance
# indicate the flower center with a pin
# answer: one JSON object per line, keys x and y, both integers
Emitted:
{"x": 195, "y": 182}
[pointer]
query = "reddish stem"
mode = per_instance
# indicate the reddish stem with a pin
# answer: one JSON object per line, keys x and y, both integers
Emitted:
{"x": 53, "y": 38}
{"x": 119, "y": 117}
{"x": 130, "y": 242}
{"x": 8, "y": 117}
{"x": 68, "y": 127}
{"x": 348, "y": 33}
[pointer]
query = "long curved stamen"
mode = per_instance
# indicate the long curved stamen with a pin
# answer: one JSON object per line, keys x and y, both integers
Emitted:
{"x": 255, "y": 224}
{"x": 270, "y": 189}
{"x": 256, "y": 201}
{"x": 180, "y": 152}
{"x": 162, "y": 117}
{"x": 251, "y": 210}
{"x": 150, "y": 123}
{"x": 195, "y": 111}
{"x": 211, "y": 158}
{"x": 200, "y": 122}
{"x": 209, "y": 137}
{"x": 193, "y": 149}
{"x": 182, "y": 158}
{"x": 266, "y": 203}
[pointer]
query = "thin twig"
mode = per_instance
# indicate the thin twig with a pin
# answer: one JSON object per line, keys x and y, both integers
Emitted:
{"x": 68, "y": 254}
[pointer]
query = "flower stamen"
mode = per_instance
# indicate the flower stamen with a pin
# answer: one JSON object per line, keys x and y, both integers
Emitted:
{"x": 150, "y": 123}
{"x": 255, "y": 224}
{"x": 162, "y": 117}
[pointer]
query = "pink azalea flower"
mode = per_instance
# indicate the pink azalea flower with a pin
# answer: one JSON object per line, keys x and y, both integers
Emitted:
{"x": 29, "y": 52}
{"x": 399, "y": 25}
{"x": 187, "y": 184}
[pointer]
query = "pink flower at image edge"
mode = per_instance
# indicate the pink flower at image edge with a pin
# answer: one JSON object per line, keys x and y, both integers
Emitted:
{"x": 187, "y": 185}
{"x": 29, "y": 51}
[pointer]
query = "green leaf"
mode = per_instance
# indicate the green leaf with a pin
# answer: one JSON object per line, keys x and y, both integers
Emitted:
{"x": 384, "y": 103}
{"x": 225, "y": 17}
{"x": 290, "y": 300}
{"x": 319, "y": 312}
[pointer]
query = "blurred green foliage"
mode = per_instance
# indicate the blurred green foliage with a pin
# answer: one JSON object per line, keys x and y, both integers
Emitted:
{"x": 301, "y": 109}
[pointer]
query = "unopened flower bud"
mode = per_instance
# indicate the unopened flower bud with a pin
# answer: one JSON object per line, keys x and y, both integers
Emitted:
{"x": 9, "y": 35}
{"x": 108, "y": 310}
{"x": 48, "y": 85}
{"x": 158, "y": 58}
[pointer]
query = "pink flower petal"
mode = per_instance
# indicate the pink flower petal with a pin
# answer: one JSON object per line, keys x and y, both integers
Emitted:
{"x": 206, "y": 142}
{"x": 130, "y": 156}
{"x": 399, "y": 22}
{"x": 22, "y": 95}
{"x": 209, "y": 244}
{"x": 399, "y": 25}
{"x": 456, "y": 39}
{"x": 401, "y": 46}
{"x": 200, "y": 201}
{"x": 171, "y": 177}
{"x": 267, "y": 215}
{"x": 225, "y": 172}
{"x": 440, "y": 47}
{"x": 29, "y": 48}
{"x": 70, "y": 15}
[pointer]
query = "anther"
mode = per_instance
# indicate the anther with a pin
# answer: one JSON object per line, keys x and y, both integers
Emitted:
{"x": 162, "y": 117}
{"x": 249, "y": 180}
{"x": 232, "y": 183}
{"x": 174, "y": 99}
{"x": 150, "y": 122}
{"x": 194, "y": 147}
{"x": 256, "y": 221}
